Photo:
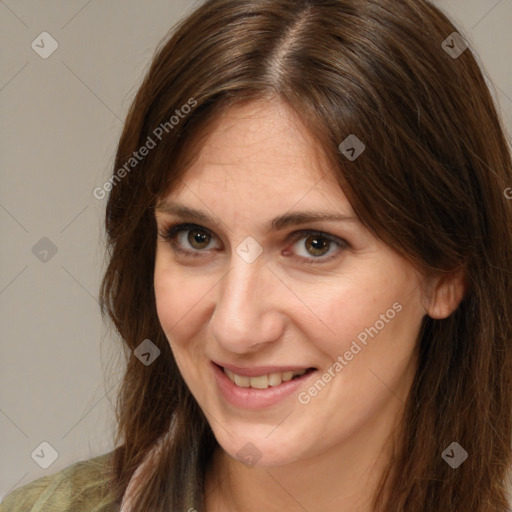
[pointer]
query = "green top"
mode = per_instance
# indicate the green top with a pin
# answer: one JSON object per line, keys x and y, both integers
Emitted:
{"x": 81, "y": 487}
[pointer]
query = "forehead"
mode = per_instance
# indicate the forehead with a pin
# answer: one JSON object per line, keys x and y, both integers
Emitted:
{"x": 238, "y": 137}
{"x": 262, "y": 150}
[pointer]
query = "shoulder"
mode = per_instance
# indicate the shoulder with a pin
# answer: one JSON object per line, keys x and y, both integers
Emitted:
{"x": 80, "y": 487}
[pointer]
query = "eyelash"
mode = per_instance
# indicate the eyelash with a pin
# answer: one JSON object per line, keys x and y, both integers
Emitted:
{"x": 170, "y": 233}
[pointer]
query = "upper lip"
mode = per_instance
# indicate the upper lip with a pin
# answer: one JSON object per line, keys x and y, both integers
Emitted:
{"x": 255, "y": 371}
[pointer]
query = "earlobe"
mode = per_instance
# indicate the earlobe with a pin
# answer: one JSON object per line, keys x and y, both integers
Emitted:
{"x": 446, "y": 295}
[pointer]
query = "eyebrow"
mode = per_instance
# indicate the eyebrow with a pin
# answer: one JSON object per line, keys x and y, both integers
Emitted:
{"x": 278, "y": 223}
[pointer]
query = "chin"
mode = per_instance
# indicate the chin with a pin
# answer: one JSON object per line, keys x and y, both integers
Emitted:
{"x": 257, "y": 450}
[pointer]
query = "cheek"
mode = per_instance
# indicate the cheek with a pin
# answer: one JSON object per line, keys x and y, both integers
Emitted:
{"x": 178, "y": 301}
{"x": 379, "y": 311}
{"x": 181, "y": 307}
{"x": 342, "y": 307}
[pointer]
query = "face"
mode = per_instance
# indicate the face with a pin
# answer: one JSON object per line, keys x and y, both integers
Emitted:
{"x": 263, "y": 267}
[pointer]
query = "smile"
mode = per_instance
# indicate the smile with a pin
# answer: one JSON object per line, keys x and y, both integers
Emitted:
{"x": 264, "y": 387}
{"x": 262, "y": 381}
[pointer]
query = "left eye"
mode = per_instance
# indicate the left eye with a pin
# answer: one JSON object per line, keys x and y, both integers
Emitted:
{"x": 316, "y": 246}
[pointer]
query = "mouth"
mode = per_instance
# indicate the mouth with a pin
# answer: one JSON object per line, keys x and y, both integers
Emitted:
{"x": 259, "y": 388}
{"x": 262, "y": 378}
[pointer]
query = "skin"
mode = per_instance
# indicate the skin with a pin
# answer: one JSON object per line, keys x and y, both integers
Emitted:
{"x": 259, "y": 163}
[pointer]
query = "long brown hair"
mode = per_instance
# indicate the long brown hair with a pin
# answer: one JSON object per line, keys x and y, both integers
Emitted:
{"x": 430, "y": 183}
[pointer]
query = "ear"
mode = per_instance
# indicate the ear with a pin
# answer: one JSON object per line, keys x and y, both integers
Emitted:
{"x": 446, "y": 293}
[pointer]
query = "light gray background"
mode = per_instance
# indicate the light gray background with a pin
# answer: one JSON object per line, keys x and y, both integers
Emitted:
{"x": 61, "y": 118}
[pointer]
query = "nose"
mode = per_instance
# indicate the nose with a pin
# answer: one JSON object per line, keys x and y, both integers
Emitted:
{"x": 248, "y": 312}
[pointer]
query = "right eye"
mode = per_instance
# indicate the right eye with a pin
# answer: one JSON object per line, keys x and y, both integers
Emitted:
{"x": 189, "y": 238}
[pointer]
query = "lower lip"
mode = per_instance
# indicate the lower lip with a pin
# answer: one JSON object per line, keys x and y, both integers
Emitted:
{"x": 252, "y": 398}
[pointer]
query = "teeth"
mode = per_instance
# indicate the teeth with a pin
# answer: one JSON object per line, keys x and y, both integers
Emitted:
{"x": 287, "y": 376}
{"x": 262, "y": 381}
{"x": 242, "y": 381}
{"x": 274, "y": 379}
{"x": 259, "y": 382}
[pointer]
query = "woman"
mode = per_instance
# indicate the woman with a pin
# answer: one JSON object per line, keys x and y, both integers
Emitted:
{"x": 310, "y": 258}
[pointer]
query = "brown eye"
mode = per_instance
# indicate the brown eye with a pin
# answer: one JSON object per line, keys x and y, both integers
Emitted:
{"x": 190, "y": 239}
{"x": 313, "y": 246}
{"x": 198, "y": 239}
{"x": 317, "y": 245}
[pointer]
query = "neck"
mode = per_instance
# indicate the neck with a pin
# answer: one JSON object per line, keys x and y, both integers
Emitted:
{"x": 341, "y": 478}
